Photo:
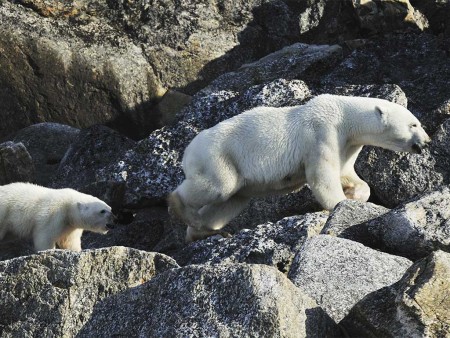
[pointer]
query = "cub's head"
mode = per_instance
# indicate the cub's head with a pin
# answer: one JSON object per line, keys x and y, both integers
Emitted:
{"x": 95, "y": 215}
{"x": 402, "y": 130}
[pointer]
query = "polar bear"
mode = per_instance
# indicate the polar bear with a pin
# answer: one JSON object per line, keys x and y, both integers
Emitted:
{"x": 51, "y": 216}
{"x": 278, "y": 150}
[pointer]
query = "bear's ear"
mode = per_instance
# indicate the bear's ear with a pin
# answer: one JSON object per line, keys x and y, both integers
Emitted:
{"x": 381, "y": 113}
{"x": 82, "y": 206}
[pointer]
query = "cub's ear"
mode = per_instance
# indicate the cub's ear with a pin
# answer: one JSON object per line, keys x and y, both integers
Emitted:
{"x": 381, "y": 113}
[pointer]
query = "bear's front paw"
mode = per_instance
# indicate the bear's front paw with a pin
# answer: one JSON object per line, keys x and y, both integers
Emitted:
{"x": 359, "y": 192}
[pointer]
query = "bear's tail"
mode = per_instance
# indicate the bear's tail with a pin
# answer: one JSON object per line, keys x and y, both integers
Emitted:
{"x": 176, "y": 206}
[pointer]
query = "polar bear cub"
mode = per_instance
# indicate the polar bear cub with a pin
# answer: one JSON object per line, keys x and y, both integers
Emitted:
{"x": 51, "y": 216}
{"x": 277, "y": 150}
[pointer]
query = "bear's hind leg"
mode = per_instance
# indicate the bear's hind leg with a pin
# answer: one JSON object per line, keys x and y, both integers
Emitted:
{"x": 194, "y": 234}
{"x": 215, "y": 216}
{"x": 202, "y": 190}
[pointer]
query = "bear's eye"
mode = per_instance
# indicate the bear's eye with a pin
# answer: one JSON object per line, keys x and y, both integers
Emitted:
{"x": 414, "y": 125}
{"x": 103, "y": 211}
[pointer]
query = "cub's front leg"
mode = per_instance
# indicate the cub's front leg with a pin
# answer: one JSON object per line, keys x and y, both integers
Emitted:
{"x": 71, "y": 240}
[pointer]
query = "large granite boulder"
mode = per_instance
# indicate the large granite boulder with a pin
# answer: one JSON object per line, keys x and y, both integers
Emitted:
{"x": 53, "y": 293}
{"x": 47, "y": 144}
{"x": 337, "y": 272}
{"x": 272, "y": 244}
{"x": 236, "y": 300}
{"x": 416, "y": 306}
{"x": 16, "y": 164}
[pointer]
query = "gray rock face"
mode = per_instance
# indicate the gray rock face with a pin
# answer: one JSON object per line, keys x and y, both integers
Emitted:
{"x": 270, "y": 244}
{"x": 382, "y": 16}
{"x": 416, "y": 306}
{"x": 16, "y": 164}
{"x": 337, "y": 272}
{"x": 212, "y": 301}
{"x": 396, "y": 177}
{"x": 288, "y": 63}
{"x": 66, "y": 286}
{"x": 349, "y": 220}
{"x": 416, "y": 228}
{"x": 81, "y": 166}
{"x": 47, "y": 144}
{"x": 53, "y": 70}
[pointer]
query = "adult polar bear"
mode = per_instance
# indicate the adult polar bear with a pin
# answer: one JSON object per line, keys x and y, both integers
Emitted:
{"x": 278, "y": 150}
{"x": 51, "y": 216}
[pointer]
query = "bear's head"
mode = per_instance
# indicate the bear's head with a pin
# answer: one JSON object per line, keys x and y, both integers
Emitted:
{"x": 402, "y": 131}
{"x": 96, "y": 215}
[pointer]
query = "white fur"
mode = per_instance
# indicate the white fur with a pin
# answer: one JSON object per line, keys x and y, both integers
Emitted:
{"x": 50, "y": 216}
{"x": 278, "y": 150}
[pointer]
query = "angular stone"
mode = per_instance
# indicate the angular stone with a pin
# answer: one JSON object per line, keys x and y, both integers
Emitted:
{"x": 291, "y": 62}
{"x": 416, "y": 306}
{"x": 53, "y": 293}
{"x": 416, "y": 228}
{"x": 388, "y": 15}
{"x": 16, "y": 164}
{"x": 212, "y": 301}
{"x": 73, "y": 72}
{"x": 349, "y": 220}
{"x": 47, "y": 144}
{"x": 337, "y": 272}
{"x": 84, "y": 162}
{"x": 272, "y": 244}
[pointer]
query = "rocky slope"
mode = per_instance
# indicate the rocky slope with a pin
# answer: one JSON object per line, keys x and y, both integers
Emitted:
{"x": 103, "y": 97}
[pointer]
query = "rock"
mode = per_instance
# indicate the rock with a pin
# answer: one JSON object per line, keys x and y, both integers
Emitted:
{"x": 349, "y": 220}
{"x": 397, "y": 177}
{"x": 291, "y": 62}
{"x": 274, "y": 208}
{"x": 437, "y": 13}
{"x": 439, "y": 150}
{"x": 171, "y": 103}
{"x": 390, "y": 92}
{"x": 387, "y": 15}
{"x": 144, "y": 232}
{"x": 416, "y": 228}
{"x": 54, "y": 293}
{"x": 272, "y": 244}
{"x": 212, "y": 301}
{"x": 47, "y": 143}
{"x": 72, "y": 71}
{"x": 16, "y": 164}
{"x": 82, "y": 165}
{"x": 416, "y": 306}
{"x": 191, "y": 43}
{"x": 337, "y": 272}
